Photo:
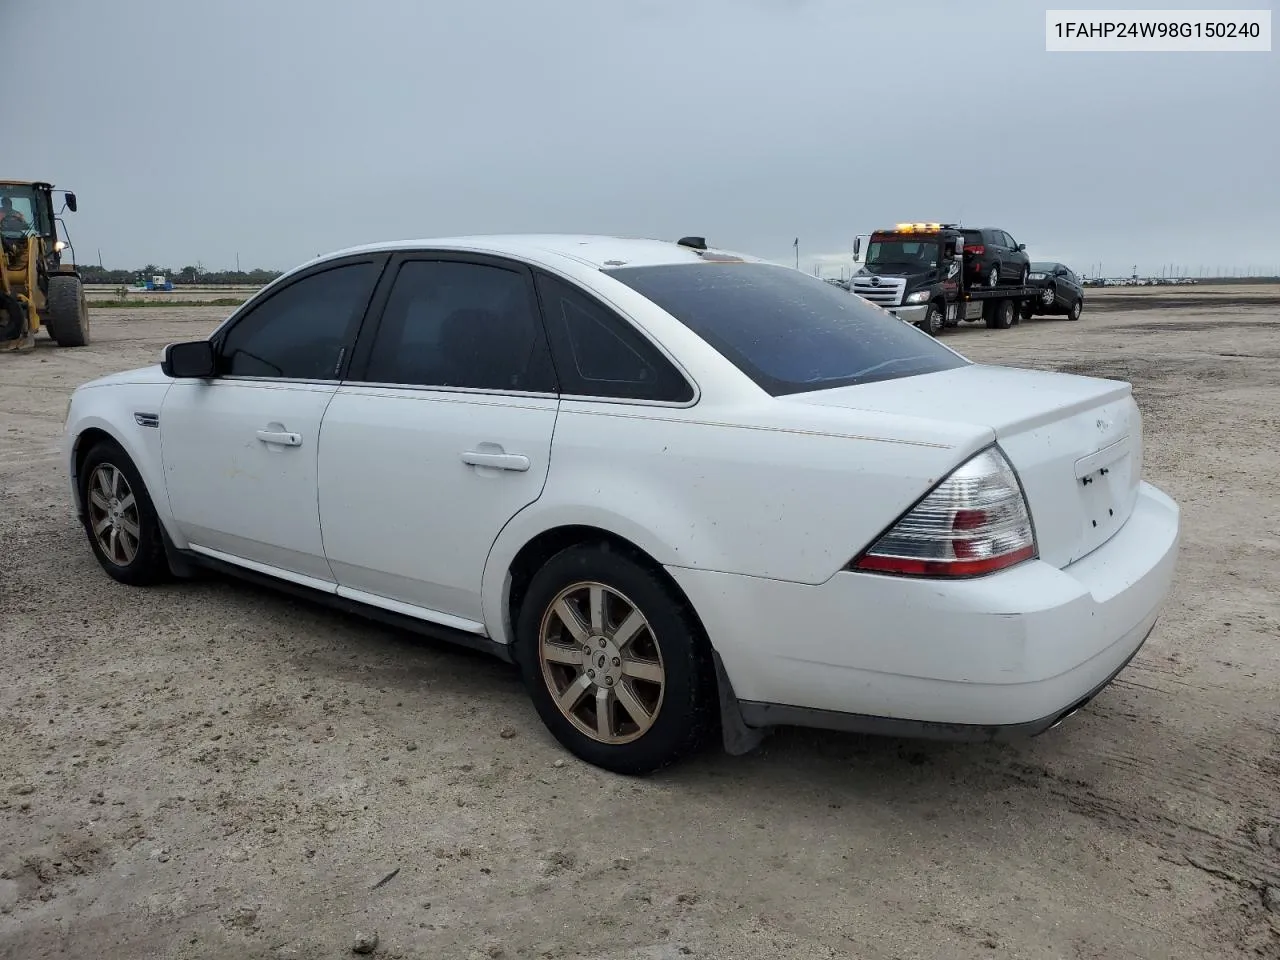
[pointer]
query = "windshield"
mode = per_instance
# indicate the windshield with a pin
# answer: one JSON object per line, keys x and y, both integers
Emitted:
{"x": 1043, "y": 267}
{"x": 18, "y": 211}
{"x": 904, "y": 253}
{"x": 789, "y": 332}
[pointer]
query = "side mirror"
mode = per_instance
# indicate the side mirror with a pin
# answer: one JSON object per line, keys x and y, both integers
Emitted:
{"x": 1021, "y": 247}
{"x": 193, "y": 359}
{"x": 71, "y": 201}
{"x": 955, "y": 248}
{"x": 857, "y": 247}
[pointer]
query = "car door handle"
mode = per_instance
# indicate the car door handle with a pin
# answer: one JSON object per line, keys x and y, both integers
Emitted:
{"x": 499, "y": 461}
{"x": 280, "y": 437}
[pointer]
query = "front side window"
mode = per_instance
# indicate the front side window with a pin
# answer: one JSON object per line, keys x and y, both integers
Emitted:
{"x": 303, "y": 331}
{"x": 449, "y": 323}
{"x": 789, "y": 332}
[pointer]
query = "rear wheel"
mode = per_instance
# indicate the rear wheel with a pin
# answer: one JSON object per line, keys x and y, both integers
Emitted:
{"x": 1028, "y": 309}
{"x": 119, "y": 517}
{"x": 613, "y": 661}
{"x": 68, "y": 319}
{"x": 999, "y": 314}
{"x": 993, "y": 278}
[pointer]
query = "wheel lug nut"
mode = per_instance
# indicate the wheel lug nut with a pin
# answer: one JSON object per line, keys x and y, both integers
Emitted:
{"x": 617, "y": 662}
{"x": 591, "y": 674}
{"x": 602, "y": 643}
{"x": 608, "y": 681}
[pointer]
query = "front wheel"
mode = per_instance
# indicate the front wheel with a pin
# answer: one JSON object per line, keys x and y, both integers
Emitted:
{"x": 934, "y": 320}
{"x": 68, "y": 319}
{"x": 1076, "y": 308}
{"x": 119, "y": 518}
{"x": 614, "y": 662}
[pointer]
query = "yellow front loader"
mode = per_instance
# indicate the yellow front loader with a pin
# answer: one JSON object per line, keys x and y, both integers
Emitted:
{"x": 37, "y": 287}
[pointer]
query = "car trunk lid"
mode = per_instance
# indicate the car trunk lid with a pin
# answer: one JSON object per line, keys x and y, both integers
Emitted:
{"x": 1075, "y": 442}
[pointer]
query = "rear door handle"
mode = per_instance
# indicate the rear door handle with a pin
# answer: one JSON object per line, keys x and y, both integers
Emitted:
{"x": 280, "y": 437}
{"x": 499, "y": 461}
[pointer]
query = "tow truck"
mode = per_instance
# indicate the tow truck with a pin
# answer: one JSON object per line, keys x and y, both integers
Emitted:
{"x": 916, "y": 271}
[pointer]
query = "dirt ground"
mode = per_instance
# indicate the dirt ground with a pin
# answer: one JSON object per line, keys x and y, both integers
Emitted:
{"x": 212, "y": 770}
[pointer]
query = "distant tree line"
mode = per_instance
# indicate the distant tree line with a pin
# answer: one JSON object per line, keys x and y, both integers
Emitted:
{"x": 188, "y": 275}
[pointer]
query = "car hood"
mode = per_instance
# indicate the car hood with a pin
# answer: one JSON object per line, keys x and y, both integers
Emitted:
{"x": 150, "y": 374}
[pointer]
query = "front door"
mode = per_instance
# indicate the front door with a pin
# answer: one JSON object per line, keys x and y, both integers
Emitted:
{"x": 239, "y": 450}
{"x": 441, "y": 435}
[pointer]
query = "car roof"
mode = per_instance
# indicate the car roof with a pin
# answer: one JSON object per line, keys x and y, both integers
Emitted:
{"x": 589, "y": 249}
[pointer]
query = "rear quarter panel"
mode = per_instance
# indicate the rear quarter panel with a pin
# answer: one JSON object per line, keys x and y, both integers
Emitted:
{"x": 698, "y": 490}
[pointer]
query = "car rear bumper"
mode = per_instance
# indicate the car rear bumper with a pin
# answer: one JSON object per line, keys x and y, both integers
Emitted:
{"x": 1013, "y": 650}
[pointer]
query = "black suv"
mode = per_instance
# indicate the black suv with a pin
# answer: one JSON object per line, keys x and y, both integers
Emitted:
{"x": 1061, "y": 291}
{"x": 993, "y": 258}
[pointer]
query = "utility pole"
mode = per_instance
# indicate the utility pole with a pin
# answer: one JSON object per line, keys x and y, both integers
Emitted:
{"x": 795, "y": 244}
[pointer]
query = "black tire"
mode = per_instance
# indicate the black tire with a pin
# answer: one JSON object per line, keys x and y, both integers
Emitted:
{"x": 1028, "y": 309}
{"x": 148, "y": 564}
{"x": 993, "y": 278}
{"x": 999, "y": 314}
{"x": 1076, "y": 309}
{"x": 934, "y": 321}
{"x": 68, "y": 319}
{"x": 684, "y": 712}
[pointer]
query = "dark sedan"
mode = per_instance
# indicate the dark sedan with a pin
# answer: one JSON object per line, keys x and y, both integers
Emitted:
{"x": 1062, "y": 292}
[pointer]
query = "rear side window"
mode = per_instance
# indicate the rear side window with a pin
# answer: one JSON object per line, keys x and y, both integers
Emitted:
{"x": 787, "y": 331}
{"x": 303, "y": 331}
{"x": 599, "y": 354}
{"x": 456, "y": 324}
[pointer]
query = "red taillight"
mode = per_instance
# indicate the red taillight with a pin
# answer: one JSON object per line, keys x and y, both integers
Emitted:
{"x": 975, "y": 249}
{"x": 974, "y": 522}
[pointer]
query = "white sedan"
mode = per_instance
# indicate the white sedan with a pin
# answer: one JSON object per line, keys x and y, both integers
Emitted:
{"x": 686, "y": 492}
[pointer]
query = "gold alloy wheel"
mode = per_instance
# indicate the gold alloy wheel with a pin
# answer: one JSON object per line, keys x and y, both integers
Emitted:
{"x": 601, "y": 662}
{"x": 113, "y": 515}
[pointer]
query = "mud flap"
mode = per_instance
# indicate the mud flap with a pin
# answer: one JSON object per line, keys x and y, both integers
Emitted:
{"x": 738, "y": 737}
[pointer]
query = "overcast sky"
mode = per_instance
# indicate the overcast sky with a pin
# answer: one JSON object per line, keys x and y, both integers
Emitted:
{"x": 279, "y": 129}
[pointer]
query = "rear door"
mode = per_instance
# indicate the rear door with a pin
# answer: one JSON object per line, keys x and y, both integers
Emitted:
{"x": 439, "y": 437}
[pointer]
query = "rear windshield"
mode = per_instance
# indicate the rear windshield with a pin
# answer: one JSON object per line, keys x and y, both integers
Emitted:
{"x": 789, "y": 332}
{"x": 973, "y": 237}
